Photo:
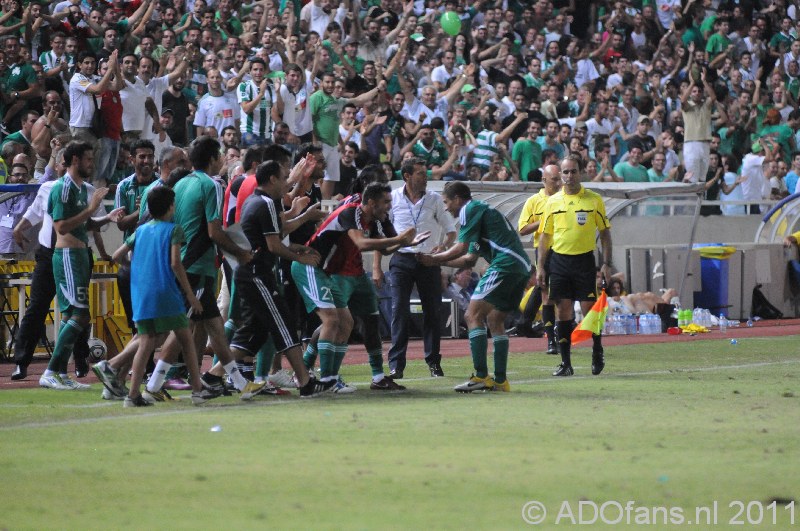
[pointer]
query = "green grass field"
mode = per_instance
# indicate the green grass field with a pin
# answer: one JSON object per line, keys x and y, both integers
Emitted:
{"x": 673, "y": 425}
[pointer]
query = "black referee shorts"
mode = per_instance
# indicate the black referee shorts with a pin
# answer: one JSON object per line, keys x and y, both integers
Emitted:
{"x": 572, "y": 277}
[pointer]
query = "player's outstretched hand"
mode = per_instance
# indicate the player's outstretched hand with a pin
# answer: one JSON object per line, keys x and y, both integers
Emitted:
{"x": 421, "y": 237}
{"x": 407, "y": 236}
{"x": 116, "y": 214}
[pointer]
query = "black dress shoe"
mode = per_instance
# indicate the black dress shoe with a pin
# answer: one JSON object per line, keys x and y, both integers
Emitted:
{"x": 552, "y": 347}
{"x": 598, "y": 361}
{"x": 436, "y": 370}
{"x": 19, "y": 373}
{"x": 81, "y": 367}
{"x": 564, "y": 370}
{"x": 396, "y": 375}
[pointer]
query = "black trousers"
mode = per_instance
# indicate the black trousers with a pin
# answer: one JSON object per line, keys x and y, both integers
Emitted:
{"x": 32, "y": 327}
{"x": 404, "y": 272}
{"x": 124, "y": 289}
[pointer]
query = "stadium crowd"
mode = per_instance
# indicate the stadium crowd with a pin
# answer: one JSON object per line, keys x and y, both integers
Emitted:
{"x": 342, "y": 94}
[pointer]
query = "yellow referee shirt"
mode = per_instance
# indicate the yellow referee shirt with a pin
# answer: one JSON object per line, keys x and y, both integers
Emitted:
{"x": 573, "y": 221}
{"x": 532, "y": 211}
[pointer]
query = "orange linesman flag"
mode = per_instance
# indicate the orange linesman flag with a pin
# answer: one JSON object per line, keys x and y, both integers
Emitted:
{"x": 593, "y": 321}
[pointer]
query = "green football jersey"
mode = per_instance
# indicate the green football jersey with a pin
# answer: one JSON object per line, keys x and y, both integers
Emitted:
{"x": 67, "y": 200}
{"x": 198, "y": 201}
{"x": 492, "y": 237}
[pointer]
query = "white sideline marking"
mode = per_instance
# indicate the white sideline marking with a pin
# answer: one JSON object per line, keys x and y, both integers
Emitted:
{"x": 296, "y": 400}
{"x": 662, "y": 371}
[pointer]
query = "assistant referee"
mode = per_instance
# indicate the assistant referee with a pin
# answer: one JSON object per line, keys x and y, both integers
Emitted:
{"x": 572, "y": 219}
{"x": 530, "y": 221}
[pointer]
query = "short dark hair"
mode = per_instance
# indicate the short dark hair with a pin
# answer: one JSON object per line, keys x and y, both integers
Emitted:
{"x": 19, "y": 165}
{"x": 375, "y": 191}
{"x": 258, "y": 61}
{"x": 305, "y": 149}
{"x": 408, "y": 166}
{"x": 455, "y": 189}
{"x": 266, "y": 170}
{"x": 142, "y": 143}
{"x": 86, "y": 54}
{"x": 202, "y": 151}
{"x": 293, "y": 67}
{"x": 176, "y": 175}
{"x": 254, "y": 155}
{"x": 277, "y": 153}
{"x": 159, "y": 199}
{"x": 76, "y": 148}
{"x": 370, "y": 174}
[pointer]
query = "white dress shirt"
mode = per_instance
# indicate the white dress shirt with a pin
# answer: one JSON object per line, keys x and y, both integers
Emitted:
{"x": 427, "y": 214}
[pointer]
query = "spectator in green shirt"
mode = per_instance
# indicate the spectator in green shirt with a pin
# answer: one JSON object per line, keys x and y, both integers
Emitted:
{"x": 718, "y": 42}
{"x": 631, "y": 171}
{"x": 428, "y": 147}
{"x": 527, "y": 152}
{"x": 780, "y": 42}
{"x": 19, "y": 83}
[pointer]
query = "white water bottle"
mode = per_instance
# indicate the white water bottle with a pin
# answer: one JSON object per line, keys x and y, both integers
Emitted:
{"x": 723, "y": 323}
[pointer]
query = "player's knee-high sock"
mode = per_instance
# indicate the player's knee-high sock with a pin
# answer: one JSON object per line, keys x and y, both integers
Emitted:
{"x": 65, "y": 342}
{"x": 549, "y": 319}
{"x": 341, "y": 350}
{"x": 327, "y": 358}
{"x": 478, "y": 345}
{"x": 310, "y": 355}
{"x": 264, "y": 358}
{"x": 563, "y": 334}
{"x": 500, "y": 357}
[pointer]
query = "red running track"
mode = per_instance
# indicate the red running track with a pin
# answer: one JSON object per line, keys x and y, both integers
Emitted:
{"x": 453, "y": 348}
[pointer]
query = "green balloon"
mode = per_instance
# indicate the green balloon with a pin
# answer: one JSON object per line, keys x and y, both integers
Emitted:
{"x": 451, "y": 24}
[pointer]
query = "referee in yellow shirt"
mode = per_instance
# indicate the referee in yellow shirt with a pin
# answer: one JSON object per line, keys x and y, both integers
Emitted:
{"x": 572, "y": 219}
{"x": 529, "y": 222}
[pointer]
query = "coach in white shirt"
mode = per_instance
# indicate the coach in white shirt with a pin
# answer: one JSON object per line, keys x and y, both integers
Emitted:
{"x": 413, "y": 206}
